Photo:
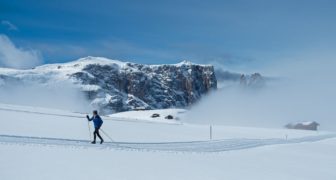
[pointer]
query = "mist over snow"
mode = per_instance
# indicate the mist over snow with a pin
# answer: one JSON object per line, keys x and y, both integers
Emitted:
{"x": 60, "y": 95}
{"x": 304, "y": 91}
{"x": 16, "y": 57}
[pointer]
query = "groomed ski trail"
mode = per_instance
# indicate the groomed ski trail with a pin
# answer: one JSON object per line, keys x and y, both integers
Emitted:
{"x": 189, "y": 146}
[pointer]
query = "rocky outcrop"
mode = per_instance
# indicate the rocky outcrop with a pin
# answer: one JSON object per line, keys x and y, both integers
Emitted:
{"x": 228, "y": 79}
{"x": 254, "y": 80}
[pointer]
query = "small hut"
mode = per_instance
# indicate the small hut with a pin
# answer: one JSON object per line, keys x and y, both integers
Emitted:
{"x": 309, "y": 125}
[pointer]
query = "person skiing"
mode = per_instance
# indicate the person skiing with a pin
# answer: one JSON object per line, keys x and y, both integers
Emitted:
{"x": 97, "y": 122}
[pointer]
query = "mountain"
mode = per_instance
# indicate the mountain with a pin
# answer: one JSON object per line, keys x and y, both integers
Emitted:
{"x": 115, "y": 86}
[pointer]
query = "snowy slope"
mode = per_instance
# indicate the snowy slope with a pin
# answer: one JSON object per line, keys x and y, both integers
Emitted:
{"x": 43, "y": 122}
{"x": 40, "y": 143}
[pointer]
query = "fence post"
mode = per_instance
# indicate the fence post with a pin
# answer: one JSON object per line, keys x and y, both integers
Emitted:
{"x": 210, "y": 132}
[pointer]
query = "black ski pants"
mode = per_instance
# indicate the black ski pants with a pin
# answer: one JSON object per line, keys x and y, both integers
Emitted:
{"x": 96, "y": 133}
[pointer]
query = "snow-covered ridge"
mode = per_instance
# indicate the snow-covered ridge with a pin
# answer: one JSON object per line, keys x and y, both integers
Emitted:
{"x": 79, "y": 64}
{"x": 82, "y": 62}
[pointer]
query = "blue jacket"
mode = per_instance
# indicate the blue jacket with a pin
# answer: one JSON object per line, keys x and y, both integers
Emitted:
{"x": 97, "y": 121}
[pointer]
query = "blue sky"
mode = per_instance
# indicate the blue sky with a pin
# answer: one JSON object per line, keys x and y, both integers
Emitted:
{"x": 226, "y": 32}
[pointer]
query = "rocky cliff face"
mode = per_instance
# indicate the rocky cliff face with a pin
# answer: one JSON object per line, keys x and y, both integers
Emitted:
{"x": 136, "y": 86}
{"x": 114, "y": 86}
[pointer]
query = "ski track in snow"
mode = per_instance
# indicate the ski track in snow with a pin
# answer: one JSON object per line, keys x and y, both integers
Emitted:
{"x": 189, "y": 146}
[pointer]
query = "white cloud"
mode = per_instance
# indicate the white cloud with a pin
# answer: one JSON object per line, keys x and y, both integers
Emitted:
{"x": 9, "y": 25}
{"x": 15, "y": 57}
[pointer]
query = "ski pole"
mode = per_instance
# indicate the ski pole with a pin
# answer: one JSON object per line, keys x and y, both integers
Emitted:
{"x": 107, "y": 135}
{"x": 89, "y": 130}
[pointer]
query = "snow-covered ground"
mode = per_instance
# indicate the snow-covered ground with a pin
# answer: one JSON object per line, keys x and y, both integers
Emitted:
{"x": 40, "y": 143}
{"x": 177, "y": 115}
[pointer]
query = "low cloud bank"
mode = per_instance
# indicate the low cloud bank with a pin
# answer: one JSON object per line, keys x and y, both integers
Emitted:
{"x": 304, "y": 92}
{"x": 58, "y": 95}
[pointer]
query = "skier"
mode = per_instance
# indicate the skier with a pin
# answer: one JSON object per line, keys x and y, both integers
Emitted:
{"x": 97, "y": 122}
